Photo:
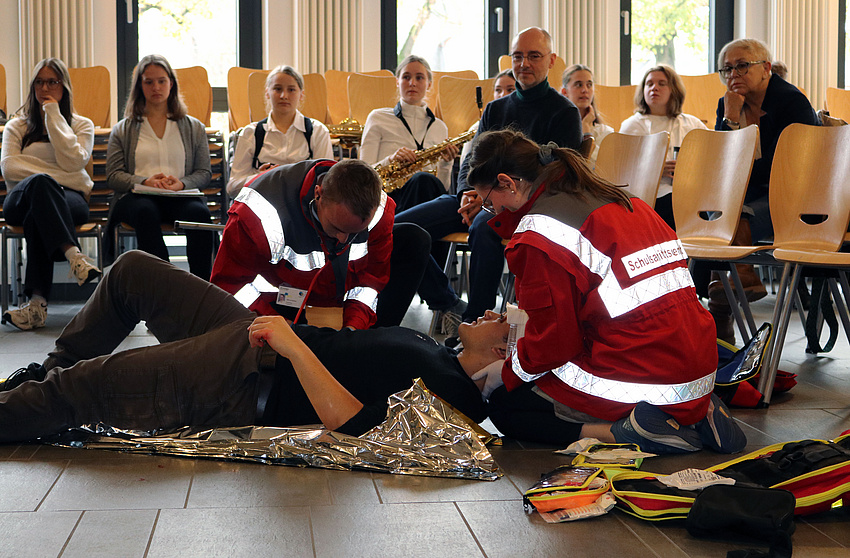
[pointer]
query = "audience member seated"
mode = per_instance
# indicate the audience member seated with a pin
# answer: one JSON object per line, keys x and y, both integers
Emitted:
{"x": 779, "y": 68}
{"x": 284, "y": 136}
{"x": 604, "y": 352}
{"x": 215, "y": 359}
{"x": 158, "y": 145}
{"x": 393, "y": 135}
{"x": 658, "y": 105}
{"x": 503, "y": 84}
{"x": 754, "y": 96}
{"x": 578, "y": 87}
{"x": 45, "y": 151}
{"x": 544, "y": 115}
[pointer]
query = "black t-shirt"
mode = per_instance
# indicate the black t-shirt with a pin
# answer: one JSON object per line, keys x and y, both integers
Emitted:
{"x": 373, "y": 364}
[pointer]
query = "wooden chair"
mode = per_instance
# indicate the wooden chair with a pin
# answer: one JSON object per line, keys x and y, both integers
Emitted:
{"x": 433, "y": 97}
{"x": 367, "y": 93}
{"x": 702, "y": 94}
{"x": 92, "y": 97}
{"x": 458, "y": 242}
{"x": 615, "y": 103}
{"x": 197, "y": 92}
{"x": 712, "y": 172}
{"x": 555, "y": 72}
{"x": 838, "y": 103}
{"x": 635, "y": 161}
{"x": 457, "y": 102}
{"x": 3, "y": 90}
{"x": 807, "y": 155}
{"x": 337, "y": 86}
{"x": 257, "y": 96}
{"x": 315, "y": 103}
{"x": 237, "y": 97}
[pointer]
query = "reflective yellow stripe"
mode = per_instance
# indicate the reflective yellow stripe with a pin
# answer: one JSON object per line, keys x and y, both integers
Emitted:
{"x": 619, "y": 391}
{"x": 616, "y": 299}
{"x": 366, "y": 295}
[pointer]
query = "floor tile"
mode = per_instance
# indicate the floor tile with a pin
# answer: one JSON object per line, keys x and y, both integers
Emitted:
{"x": 24, "y": 485}
{"x": 111, "y": 534}
{"x": 409, "y": 530}
{"x": 395, "y": 489}
{"x": 36, "y": 534}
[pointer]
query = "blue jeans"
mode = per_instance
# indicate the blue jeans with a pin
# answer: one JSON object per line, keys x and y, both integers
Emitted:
{"x": 439, "y": 217}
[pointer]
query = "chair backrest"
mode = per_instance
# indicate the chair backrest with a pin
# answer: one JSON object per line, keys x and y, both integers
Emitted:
{"x": 197, "y": 92}
{"x": 701, "y": 96}
{"x": 92, "y": 97}
{"x": 809, "y": 177}
{"x": 504, "y": 62}
{"x": 457, "y": 102}
{"x": 3, "y": 90}
{"x": 315, "y": 103}
{"x": 366, "y": 93}
{"x": 712, "y": 172}
{"x": 237, "y": 97}
{"x": 615, "y": 103}
{"x": 433, "y": 96}
{"x": 337, "y": 86}
{"x": 838, "y": 103}
{"x": 257, "y": 95}
{"x": 635, "y": 161}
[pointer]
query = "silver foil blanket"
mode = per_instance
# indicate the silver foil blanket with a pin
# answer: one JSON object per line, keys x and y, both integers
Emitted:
{"x": 422, "y": 435}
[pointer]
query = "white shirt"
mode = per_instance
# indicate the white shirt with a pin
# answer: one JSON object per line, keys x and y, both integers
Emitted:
{"x": 678, "y": 127}
{"x": 166, "y": 155}
{"x": 280, "y": 148}
{"x": 384, "y": 134}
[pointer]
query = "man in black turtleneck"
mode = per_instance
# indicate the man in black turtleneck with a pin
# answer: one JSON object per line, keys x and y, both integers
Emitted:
{"x": 543, "y": 115}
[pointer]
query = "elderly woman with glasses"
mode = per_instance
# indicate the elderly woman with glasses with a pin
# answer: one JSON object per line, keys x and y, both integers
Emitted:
{"x": 754, "y": 96}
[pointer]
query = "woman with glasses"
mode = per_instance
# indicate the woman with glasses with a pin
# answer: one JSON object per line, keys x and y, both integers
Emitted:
{"x": 285, "y": 136}
{"x": 753, "y": 96}
{"x": 605, "y": 285}
{"x": 394, "y": 135}
{"x": 658, "y": 105}
{"x": 159, "y": 145}
{"x": 45, "y": 152}
{"x": 577, "y": 81}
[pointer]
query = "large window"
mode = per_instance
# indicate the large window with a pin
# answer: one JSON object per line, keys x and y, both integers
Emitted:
{"x": 673, "y": 32}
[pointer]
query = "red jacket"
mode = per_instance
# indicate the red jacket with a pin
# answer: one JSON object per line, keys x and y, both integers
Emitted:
{"x": 270, "y": 240}
{"x": 613, "y": 315}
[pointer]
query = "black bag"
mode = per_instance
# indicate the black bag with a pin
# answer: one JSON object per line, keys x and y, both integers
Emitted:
{"x": 766, "y": 514}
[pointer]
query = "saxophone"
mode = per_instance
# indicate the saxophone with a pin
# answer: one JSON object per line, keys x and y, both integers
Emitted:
{"x": 394, "y": 175}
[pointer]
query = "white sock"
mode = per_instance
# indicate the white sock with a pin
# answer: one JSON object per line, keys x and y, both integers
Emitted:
{"x": 72, "y": 253}
{"x": 38, "y": 299}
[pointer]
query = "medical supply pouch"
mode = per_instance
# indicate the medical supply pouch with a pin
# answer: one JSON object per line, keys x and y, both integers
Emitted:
{"x": 816, "y": 472}
{"x": 606, "y": 456}
{"x": 567, "y": 487}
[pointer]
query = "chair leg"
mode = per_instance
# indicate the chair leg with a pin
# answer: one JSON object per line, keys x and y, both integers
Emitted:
{"x": 840, "y": 305}
{"x": 4, "y": 269}
{"x": 450, "y": 261}
{"x": 781, "y": 317}
{"x": 744, "y": 303}
{"x": 19, "y": 270}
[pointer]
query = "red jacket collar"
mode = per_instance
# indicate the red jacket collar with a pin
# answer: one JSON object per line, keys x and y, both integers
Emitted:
{"x": 506, "y": 222}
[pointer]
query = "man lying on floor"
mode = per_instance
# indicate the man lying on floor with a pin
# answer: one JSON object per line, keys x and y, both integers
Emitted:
{"x": 218, "y": 364}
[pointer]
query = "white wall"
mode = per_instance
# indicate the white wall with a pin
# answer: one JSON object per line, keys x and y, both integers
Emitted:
{"x": 105, "y": 43}
{"x": 10, "y": 53}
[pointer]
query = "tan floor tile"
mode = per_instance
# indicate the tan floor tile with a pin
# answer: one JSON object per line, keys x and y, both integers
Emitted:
{"x": 211, "y": 533}
{"x": 23, "y": 485}
{"x": 395, "y": 489}
{"x": 36, "y": 534}
{"x": 111, "y": 534}
{"x": 134, "y": 482}
{"x": 409, "y": 530}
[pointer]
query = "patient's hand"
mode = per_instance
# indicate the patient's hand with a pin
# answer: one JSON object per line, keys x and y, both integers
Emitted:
{"x": 275, "y": 331}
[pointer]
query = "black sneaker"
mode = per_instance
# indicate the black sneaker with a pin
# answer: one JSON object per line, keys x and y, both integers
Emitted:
{"x": 719, "y": 431}
{"x": 33, "y": 371}
{"x": 655, "y": 431}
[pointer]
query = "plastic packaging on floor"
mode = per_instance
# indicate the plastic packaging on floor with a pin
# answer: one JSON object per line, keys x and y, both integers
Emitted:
{"x": 422, "y": 435}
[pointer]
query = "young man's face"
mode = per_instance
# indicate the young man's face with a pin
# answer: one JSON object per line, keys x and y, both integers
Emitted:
{"x": 491, "y": 330}
{"x": 337, "y": 221}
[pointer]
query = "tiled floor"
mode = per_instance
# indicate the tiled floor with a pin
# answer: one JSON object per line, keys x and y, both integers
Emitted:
{"x": 64, "y": 502}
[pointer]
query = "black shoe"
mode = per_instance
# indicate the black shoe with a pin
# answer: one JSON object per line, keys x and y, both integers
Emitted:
{"x": 33, "y": 371}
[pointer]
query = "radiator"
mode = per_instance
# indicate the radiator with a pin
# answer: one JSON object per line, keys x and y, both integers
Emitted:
{"x": 329, "y": 35}
{"x": 56, "y": 28}
{"x": 576, "y": 27}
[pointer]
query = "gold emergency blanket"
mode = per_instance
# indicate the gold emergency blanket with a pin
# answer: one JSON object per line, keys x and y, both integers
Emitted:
{"x": 422, "y": 435}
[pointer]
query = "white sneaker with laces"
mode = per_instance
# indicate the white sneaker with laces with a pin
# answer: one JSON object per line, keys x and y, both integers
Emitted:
{"x": 30, "y": 315}
{"x": 83, "y": 270}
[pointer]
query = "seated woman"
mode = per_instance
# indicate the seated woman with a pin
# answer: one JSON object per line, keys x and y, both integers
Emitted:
{"x": 578, "y": 87}
{"x": 606, "y": 288}
{"x": 658, "y": 104}
{"x": 393, "y": 135}
{"x": 158, "y": 145}
{"x": 45, "y": 151}
{"x": 285, "y": 136}
{"x": 754, "y": 96}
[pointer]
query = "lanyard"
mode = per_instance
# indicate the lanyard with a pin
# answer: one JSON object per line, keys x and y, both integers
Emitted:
{"x": 420, "y": 145}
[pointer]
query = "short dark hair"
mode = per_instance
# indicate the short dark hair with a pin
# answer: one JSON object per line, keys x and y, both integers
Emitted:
{"x": 677, "y": 91}
{"x": 135, "y": 108}
{"x": 354, "y": 184}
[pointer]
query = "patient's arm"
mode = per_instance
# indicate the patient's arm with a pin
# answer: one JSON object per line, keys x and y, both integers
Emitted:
{"x": 333, "y": 403}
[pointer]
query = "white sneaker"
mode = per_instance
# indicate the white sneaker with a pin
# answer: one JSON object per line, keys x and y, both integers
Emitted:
{"x": 83, "y": 270}
{"x": 30, "y": 315}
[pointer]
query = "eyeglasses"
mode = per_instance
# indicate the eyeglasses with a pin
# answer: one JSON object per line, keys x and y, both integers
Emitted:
{"x": 486, "y": 204}
{"x": 517, "y": 57}
{"x": 50, "y": 83}
{"x": 741, "y": 68}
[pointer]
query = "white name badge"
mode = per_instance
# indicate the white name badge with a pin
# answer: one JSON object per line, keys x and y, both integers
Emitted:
{"x": 290, "y": 296}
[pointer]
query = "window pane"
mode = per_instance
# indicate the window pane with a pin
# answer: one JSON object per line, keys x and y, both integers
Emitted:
{"x": 670, "y": 32}
{"x": 450, "y": 35}
{"x": 191, "y": 33}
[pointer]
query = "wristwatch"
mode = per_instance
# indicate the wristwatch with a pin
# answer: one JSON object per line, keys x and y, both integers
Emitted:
{"x": 732, "y": 124}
